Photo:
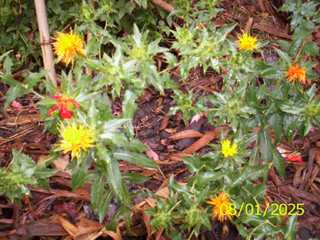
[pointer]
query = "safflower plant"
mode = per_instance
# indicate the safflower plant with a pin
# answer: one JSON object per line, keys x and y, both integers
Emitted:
{"x": 220, "y": 182}
{"x": 92, "y": 136}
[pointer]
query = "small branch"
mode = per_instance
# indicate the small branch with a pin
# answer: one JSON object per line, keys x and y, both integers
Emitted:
{"x": 164, "y": 5}
{"x": 46, "y": 49}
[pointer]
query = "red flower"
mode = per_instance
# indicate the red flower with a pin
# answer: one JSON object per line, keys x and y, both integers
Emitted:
{"x": 295, "y": 158}
{"x": 64, "y": 105}
{"x": 65, "y": 113}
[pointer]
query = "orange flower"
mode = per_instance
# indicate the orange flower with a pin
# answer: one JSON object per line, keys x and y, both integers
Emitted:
{"x": 64, "y": 105}
{"x": 296, "y": 73}
{"x": 221, "y": 207}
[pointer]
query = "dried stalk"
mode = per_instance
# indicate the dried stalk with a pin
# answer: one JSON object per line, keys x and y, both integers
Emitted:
{"x": 46, "y": 49}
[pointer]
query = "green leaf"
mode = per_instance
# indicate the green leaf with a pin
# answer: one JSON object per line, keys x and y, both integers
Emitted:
{"x": 135, "y": 158}
{"x": 171, "y": 58}
{"x": 249, "y": 173}
{"x": 13, "y": 93}
{"x": 7, "y": 65}
{"x": 129, "y": 105}
{"x": 136, "y": 178}
{"x": 278, "y": 162}
{"x": 113, "y": 175}
{"x": 211, "y": 176}
{"x": 312, "y": 49}
{"x": 115, "y": 124}
{"x": 291, "y": 109}
{"x": 33, "y": 79}
{"x": 2, "y": 56}
{"x": 265, "y": 146}
{"x": 290, "y": 233}
{"x": 21, "y": 173}
{"x": 100, "y": 197}
{"x": 79, "y": 176}
{"x": 283, "y": 55}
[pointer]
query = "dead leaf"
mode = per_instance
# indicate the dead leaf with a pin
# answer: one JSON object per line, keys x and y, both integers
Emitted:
{"x": 197, "y": 117}
{"x": 270, "y": 28}
{"x": 69, "y": 227}
{"x": 85, "y": 229}
{"x": 61, "y": 163}
{"x": 163, "y": 192}
{"x": 153, "y": 155}
{"x": 146, "y": 220}
{"x": 80, "y": 193}
{"x": 42, "y": 227}
{"x": 159, "y": 234}
{"x": 248, "y": 25}
{"x": 113, "y": 235}
{"x": 164, "y": 122}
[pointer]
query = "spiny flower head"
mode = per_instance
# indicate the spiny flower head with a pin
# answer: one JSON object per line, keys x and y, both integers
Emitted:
{"x": 75, "y": 138}
{"x": 68, "y": 46}
{"x": 65, "y": 106}
{"x": 229, "y": 149}
{"x": 296, "y": 73}
{"x": 247, "y": 43}
{"x": 221, "y": 207}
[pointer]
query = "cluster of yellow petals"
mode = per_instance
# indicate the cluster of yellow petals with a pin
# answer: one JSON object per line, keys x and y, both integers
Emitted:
{"x": 75, "y": 139}
{"x": 246, "y": 42}
{"x": 221, "y": 205}
{"x": 229, "y": 149}
{"x": 68, "y": 46}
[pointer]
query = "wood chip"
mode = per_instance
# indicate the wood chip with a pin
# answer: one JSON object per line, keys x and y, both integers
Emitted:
{"x": 271, "y": 29}
{"x": 186, "y": 134}
{"x": 203, "y": 141}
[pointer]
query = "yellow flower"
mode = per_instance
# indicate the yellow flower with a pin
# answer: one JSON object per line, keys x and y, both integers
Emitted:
{"x": 75, "y": 138}
{"x": 221, "y": 207}
{"x": 228, "y": 149}
{"x": 138, "y": 53}
{"x": 296, "y": 73}
{"x": 68, "y": 46}
{"x": 247, "y": 42}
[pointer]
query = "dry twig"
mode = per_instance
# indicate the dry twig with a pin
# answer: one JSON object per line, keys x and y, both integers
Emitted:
{"x": 47, "y": 55}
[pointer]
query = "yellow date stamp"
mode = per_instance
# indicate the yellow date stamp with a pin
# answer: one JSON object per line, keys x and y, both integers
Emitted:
{"x": 273, "y": 209}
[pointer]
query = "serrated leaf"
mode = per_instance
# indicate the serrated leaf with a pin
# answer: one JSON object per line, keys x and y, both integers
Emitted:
{"x": 14, "y": 93}
{"x": 283, "y": 55}
{"x": 115, "y": 124}
{"x": 100, "y": 198}
{"x": 249, "y": 173}
{"x": 129, "y": 105}
{"x": 135, "y": 158}
{"x": 113, "y": 175}
{"x": 291, "y": 109}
